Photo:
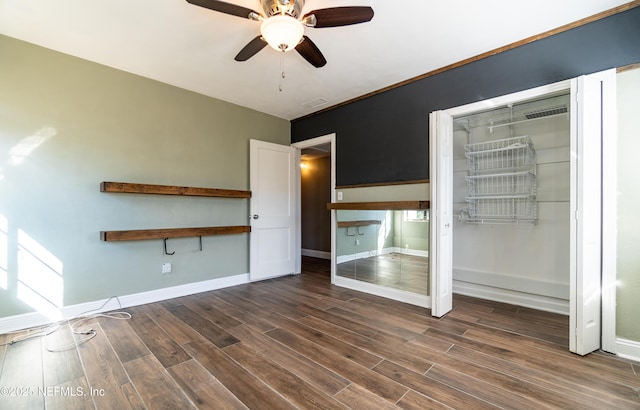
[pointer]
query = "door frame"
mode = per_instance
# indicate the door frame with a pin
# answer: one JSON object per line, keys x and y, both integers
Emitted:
{"x": 299, "y": 146}
{"x": 608, "y": 337}
{"x": 469, "y": 109}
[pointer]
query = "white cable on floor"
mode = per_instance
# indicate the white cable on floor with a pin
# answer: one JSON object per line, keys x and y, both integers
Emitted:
{"x": 73, "y": 323}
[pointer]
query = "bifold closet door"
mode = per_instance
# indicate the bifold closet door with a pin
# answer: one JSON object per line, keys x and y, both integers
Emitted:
{"x": 441, "y": 235}
{"x": 593, "y": 119}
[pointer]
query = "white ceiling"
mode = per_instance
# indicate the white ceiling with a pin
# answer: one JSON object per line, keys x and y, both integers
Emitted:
{"x": 191, "y": 47}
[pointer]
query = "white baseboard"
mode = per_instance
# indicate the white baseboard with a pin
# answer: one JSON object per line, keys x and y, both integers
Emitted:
{"x": 353, "y": 256}
{"x": 554, "y": 290}
{"x": 316, "y": 254}
{"x": 545, "y": 303}
{"x": 412, "y": 252}
{"x": 384, "y": 251}
{"x": 629, "y": 349}
{"x": 29, "y": 320}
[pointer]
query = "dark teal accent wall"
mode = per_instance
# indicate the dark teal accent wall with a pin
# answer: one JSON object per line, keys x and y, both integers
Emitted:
{"x": 384, "y": 138}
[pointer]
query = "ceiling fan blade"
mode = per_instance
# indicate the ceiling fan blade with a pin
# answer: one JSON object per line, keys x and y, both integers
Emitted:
{"x": 310, "y": 52}
{"x": 339, "y": 16}
{"x": 224, "y": 7}
{"x": 251, "y": 49}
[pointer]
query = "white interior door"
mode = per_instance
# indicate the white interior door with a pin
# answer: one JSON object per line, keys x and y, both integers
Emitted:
{"x": 273, "y": 210}
{"x": 441, "y": 239}
{"x": 591, "y": 121}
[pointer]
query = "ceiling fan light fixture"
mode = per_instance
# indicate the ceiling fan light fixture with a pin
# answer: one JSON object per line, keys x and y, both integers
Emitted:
{"x": 282, "y": 32}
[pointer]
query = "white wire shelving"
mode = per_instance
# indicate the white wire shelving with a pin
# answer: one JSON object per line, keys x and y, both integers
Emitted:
{"x": 501, "y": 182}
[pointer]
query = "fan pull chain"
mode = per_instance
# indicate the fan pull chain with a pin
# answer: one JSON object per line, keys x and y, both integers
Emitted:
{"x": 282, "y": 76}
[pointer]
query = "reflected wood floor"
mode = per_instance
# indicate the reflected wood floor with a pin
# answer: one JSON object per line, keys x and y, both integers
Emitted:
{"x": 394, "y": 270}
{"x": 298, "y": 342}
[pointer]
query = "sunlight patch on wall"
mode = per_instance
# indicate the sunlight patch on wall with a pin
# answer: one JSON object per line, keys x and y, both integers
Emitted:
{"x": 40, "y": 283}
{"x": 4, "y": 252}
{"x": 27, "y": 145}
{"x": 385, "y": 229}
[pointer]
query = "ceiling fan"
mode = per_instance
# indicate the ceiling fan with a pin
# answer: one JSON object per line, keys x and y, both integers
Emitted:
{"x": 283, "y": 26}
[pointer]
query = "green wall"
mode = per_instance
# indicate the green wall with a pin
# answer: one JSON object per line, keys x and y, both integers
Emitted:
{"x": 410, "y": 235}
{"x": 67, "y": 124}
{"x": 392, "y": 232}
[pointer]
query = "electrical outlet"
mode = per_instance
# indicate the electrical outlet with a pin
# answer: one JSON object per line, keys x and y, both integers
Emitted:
{"x": 339, "y": 195}
{"x": 166, "y": 267}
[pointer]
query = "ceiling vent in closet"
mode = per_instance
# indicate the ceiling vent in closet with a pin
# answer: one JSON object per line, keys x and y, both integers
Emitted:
{"x": 545, "y": 112}
{"x": 527, "y": 116}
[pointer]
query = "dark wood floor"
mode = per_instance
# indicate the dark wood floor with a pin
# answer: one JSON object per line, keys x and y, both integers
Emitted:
{"x": 298, "y": 342}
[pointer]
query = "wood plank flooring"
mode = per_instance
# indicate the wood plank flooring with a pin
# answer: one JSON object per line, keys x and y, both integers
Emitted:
{"x": 298, "y": 342}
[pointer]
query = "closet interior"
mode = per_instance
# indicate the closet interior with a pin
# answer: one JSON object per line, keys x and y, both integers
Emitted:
{"x": 511, "y": 200}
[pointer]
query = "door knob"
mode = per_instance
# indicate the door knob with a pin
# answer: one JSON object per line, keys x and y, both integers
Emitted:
{"x": 256, "y": 216}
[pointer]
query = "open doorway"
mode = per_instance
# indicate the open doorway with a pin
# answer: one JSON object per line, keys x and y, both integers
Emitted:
{"x": 315, "y": 193}
{"x": 316, "y": 178}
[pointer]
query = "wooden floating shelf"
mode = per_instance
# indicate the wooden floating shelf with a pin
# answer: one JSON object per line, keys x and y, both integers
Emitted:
{"x": 380, "y": 206}
{"x": 130, "y": 188}
{"x": 141, "y": 234}
{"x": 348, "y": 224}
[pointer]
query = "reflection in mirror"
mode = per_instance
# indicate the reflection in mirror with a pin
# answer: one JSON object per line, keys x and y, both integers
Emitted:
{"x": 384, "y": 247}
